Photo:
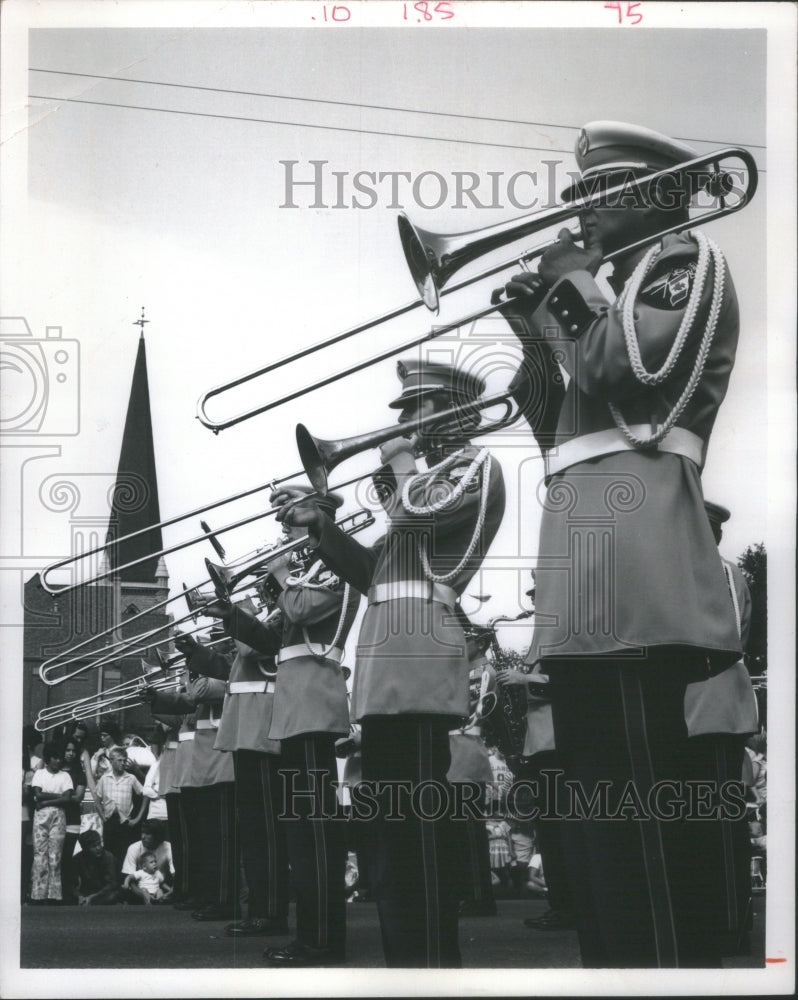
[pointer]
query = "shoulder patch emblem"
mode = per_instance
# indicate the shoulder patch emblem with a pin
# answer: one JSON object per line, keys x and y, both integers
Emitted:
{"x": 672, "y": 290}
{"x": 458, "y": 472}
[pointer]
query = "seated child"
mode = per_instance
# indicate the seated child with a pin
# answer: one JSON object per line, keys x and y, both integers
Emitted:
{"x": 95, "y": 870}
{"x": 146, "y": 884}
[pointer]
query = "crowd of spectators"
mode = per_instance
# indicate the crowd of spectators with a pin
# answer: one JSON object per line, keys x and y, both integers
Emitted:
{"x": 94, "y": 824}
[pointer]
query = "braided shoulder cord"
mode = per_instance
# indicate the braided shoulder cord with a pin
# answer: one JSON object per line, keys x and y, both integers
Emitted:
{"x": 338, "y": 630}
{"x": 304, "y": 579}
{"x": 480, "y": 461}
{"x": 430, "y": 474}
{"x": 707, "y": 248}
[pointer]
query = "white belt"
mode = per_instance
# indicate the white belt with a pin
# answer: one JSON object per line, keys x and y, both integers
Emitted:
{"x": 380, "y": 593}
{"x": 207, "y": 724}
{"x": 188, "y": 735}
{"x": 293, "y": 652}
{"x": 171, "y": 745}
{"x": 251, "y": 687}
{"x": 678, "y": 441}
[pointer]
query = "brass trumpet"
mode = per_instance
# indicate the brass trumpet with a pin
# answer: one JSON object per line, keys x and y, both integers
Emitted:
{"x": 434, "y": 258}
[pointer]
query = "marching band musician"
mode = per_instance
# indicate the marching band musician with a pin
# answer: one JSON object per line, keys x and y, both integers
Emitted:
{"x": 411, "y": 676}
{"x": 310, "y": 712}
{"x": 204, "y": 777}
{"x": 632, "y": 602}
{"x": 244, "y": 731}
{"x": 721, "y": 713}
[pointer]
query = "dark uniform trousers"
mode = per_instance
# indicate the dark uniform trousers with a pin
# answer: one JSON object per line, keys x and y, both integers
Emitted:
{"x": 414, "y": 860}
{"x": 475, "y": 850}
{"x": 646, "y": 889}
{"x": 549, "y": 827}
{"x": 315, "y": 839}
{"x": 258, "y": 790}
{"x": 729, "y": 852}
{"x": 210, "y": 821}
{"x": 179, "y": 844}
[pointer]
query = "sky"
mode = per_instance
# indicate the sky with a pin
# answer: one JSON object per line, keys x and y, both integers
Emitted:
{"x": 186, "y": 216}
{"x": 183, "y": 210}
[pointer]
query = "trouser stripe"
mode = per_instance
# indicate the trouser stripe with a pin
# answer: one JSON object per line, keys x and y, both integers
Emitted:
{"x": 653, "y": 851}
{"x": 320, "y": 843}
{"x": 429, "y": 855}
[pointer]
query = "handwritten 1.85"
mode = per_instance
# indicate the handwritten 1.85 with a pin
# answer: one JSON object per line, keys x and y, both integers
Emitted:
{"x": 627, "y": 13}
{"x": 424, "y": 11}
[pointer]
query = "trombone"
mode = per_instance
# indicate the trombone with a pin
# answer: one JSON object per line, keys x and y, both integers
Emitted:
{"x": 320, "y": 457}
{"x": 119, "y": 649}
{"x": 88, "y": 706}
{"x": 207, "y": 535}
{"x": 434, "y": 258}
{"x": 225, "y": 581}
{"x": 197, "y": 604}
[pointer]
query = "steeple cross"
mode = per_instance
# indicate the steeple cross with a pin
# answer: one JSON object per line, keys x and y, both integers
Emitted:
{"x": 141, "y": 321}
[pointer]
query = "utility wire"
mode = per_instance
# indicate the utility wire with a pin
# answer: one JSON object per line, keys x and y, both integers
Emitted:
{"x": 360, "y": 105}
{"x": 271, "y": 121}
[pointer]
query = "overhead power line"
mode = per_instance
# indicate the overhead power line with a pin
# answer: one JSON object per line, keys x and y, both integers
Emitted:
{"x": 361, "y": 105}
{"x": 272, "y": 121}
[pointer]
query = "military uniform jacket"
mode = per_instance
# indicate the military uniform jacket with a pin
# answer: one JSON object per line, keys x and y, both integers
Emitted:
{"x": 310, "y": 694}
{"x": 470, "y": 759}
{"x": 201, "y": 765}
{"x": 726, "y": 703}
{"x": 169, "y": 753}
{"x": 627, "y": 559}
{"x": 411, "y": 653}
{"x": 249, "y": 698}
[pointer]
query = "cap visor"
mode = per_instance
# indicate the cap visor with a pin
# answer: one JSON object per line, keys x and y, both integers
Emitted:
{"x": 410, "y": 395}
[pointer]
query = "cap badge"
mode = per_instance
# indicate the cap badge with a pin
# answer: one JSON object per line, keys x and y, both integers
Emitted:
{"x": 583, "y": 143}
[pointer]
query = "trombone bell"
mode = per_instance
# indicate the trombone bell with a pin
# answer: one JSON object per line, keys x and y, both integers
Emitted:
{"x": 320, "y": 457}
{"x": 221, "y": 578}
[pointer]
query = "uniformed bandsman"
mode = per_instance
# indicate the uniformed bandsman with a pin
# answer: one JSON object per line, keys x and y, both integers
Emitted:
{"x": 204, "y": 776}
{"x": 310, "y": 712}
{"x": 721, "y": 713}
{"x": 632, "y": 602}
{"x": 244, "y": 731}
{"x": 411, "y": 675}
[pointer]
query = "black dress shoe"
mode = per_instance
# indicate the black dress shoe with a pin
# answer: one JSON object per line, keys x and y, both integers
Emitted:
{"x": 214, "y": 912}
{"x": 256, "y": 927}
{"x": 301, "y": 956}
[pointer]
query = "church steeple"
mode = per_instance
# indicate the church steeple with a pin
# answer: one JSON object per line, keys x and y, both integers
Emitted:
{"x": 135, "y": 497}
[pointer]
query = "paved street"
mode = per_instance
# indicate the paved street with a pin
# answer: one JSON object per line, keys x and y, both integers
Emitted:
{"x": 160, "y": 937}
